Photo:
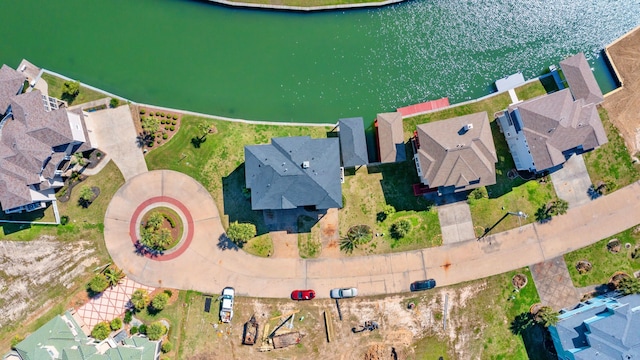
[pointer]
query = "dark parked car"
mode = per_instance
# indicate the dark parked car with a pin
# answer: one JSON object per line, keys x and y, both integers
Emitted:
{"x": 423, "y": 285}
{"x": 303, "y": 294}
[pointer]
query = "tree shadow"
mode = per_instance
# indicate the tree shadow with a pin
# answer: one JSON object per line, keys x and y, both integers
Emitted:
{"x": 536, "y": 338}
{"x": 237, "y": 201}
{"x": 143, "y": 250}
{"x": 198, "y": 141}
{"x": 397, "y": 186}
{"x": 224, "y": 243}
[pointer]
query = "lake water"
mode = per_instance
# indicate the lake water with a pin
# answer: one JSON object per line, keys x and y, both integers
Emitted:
{"x": 278, "y": 66}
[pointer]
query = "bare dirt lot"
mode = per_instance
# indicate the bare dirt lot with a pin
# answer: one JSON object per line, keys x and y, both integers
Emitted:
{"x": 31, "y": 272}
{"x": 623, "y": 105}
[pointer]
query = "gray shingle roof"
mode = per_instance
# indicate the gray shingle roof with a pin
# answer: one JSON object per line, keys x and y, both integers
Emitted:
{"x": 581, "y": 81}
{"x": 554, "y": 124}
{"x": 32, "y": 143}
{"x": 449, "y": 155}
{"x": 391, "y": 137}
{"x": 278, "y": 179}
{"x": 11, "y": 82}
{"x": 353, "y": 144}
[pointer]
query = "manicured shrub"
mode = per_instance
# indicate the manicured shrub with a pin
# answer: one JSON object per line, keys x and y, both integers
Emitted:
{"x": 162, "y": 114}
{"x": 155, "y": 331}
{"x": 175, "y": 117}
{"x": 150, "y": 144}
{"x": 127, "y": 316}
{"x": 174, "y": 122}
{"x": 143, "y": 111}
{"x": 160, "y": 301}
{"x": 166, "y": 128}
{"x": 167, "y": 346}
{"x": 162, "y": 122}
{"x": 478, "y": 193}
{"x": 101, "y": 331}
{"x": 241, "y": 233}
{"x": 133, "y": 330}
{"x": 172, "y": 128}
{"x": 165, "y": 136}
{"x": 64, "y": 220}
{"x": 142, "y": 329}
{"x": 171, "y": 221}
{"x": 168, "y": 292}
{"x": 114, "y": 102}
{"x": 116, "y": 324}
{"x": 157, "y": 113}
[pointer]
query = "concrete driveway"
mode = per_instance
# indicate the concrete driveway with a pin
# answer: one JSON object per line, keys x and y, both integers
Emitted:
{"x": 572, "y": 182}
{"x": 113, "y": 131}
{"x": 455, "y": 222}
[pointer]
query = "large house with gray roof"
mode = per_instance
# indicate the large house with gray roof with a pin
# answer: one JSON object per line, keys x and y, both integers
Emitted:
{"x": 37, "y": 139}
{"x": 62, "y": 338}
{"x": 293, "y": 172}
{"x": 543, "y": 132}
{"x": 604, "y": 327}
{"x": 456, "y": 154}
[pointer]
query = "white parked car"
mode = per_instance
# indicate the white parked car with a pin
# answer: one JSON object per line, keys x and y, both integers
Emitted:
{"x": 344, "y": 293}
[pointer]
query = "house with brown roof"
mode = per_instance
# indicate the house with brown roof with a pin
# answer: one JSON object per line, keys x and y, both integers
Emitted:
{"x": 456, "y": 154}
{"x": 390, "y": 135}
{"x": 542, "y": 133}
{"x": 37, "y": 139}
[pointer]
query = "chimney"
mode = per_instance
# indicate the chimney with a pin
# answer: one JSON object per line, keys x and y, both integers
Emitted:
{"x": 305, "y": 164}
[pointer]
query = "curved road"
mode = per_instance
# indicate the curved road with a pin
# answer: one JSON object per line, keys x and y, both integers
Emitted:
{"x": 205, "y": 267}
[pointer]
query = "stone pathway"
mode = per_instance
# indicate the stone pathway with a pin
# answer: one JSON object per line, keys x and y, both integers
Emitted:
{"x": 110, "y": 304}
{"x": 554, "y": 284}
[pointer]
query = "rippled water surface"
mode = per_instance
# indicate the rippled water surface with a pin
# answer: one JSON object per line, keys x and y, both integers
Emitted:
{"x": 317, "y": 67}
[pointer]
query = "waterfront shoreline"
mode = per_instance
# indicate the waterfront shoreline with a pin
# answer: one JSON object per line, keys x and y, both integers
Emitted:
{"x": 294, "y": 8}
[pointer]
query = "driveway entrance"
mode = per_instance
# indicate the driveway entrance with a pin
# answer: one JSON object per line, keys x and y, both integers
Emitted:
{"x": 572, "y": 182}
{"x": 455, "y": 222}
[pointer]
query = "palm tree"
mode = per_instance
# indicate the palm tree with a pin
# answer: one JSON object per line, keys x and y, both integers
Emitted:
{"x": 113, "y": 275}
{"x": 139, "y": 299}
{"x": 546, "y": 316}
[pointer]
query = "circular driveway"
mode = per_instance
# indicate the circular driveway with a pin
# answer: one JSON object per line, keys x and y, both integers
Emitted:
{"x": 207, "y": 265}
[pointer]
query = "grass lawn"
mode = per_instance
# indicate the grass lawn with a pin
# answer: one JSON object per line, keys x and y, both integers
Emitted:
{"x": 55, "y": 90}
{"x": 612, "y": 160}
{"x": 218, "y": 162}
{"x": 369, "y": 189}
{"x": 605, "y": 263}
{"x": 261, "y": 245}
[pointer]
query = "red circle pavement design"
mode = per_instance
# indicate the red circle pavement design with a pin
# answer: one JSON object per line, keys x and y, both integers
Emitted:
{"x": 185, "y": 211}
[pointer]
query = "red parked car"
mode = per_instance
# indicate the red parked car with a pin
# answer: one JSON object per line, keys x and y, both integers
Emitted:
{"x": 303, "y": 294}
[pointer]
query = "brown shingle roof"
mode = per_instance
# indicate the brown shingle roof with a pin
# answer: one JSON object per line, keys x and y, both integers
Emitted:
{"x": 581, "y": 81}
{"x": 452, "y": 156}
{"x": 391, "y": 137}
{"x": 11, "y": 83}
{"x": 554, "y": 123}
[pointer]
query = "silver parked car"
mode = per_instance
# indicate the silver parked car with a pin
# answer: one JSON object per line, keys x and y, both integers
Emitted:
{"x": 344, "y": 293}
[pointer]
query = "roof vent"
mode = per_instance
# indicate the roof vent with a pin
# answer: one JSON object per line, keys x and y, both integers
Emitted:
{"x": 468, "y": 127}
{"x": 305, "y": 164}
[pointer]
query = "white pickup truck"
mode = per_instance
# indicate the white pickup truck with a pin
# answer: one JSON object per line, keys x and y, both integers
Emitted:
{"x": 226, "y": 304}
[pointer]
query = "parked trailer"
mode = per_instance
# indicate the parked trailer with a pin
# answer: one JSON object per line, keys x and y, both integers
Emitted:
{"x": 288, "y": 339}
{"x": 250, "y": 331}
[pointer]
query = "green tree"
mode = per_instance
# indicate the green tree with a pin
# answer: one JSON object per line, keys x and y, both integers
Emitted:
{"x": 155, "y": 220}
{"x": 98, "y": 284}
{"x": 156, "y": 330}
{"x": 140, "y": 299}
{"x": 101, "y": 331}
{"x": 86, "y": 196}
{"x": 559, "y": 207}
{"x": 203, "y": 129}
{"x": 153, "y": 235}
{"x": 400, "y": 228}
{"x": 78, "y": 158}
{"x": 241, "y": 233}
{"x": 629, "y": 285}
{"x": 70, "y": 89}
{"x": 116, "y": 324}
{"x": 546, "y": 316}
{"x": 114, "y": 102}
{"x": 160, "y": 301}
{"x": 113, "y": 276}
